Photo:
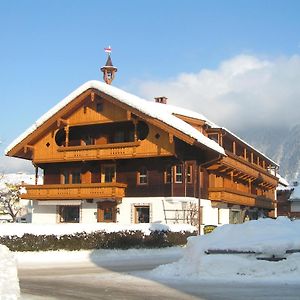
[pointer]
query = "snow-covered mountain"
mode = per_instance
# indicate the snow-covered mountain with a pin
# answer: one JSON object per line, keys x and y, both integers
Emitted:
{"x": 282, "y": 144}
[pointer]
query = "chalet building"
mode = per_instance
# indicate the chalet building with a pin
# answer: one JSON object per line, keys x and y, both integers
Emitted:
{"x": 288, "y": 201}
{"x": 110, "y": 156}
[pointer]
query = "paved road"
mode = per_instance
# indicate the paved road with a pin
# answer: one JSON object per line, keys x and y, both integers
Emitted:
{"x": 132, "y": 282}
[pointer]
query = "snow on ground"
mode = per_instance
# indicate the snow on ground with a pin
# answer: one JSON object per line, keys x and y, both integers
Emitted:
{"x": 9, "y": 283}
{"x": 266, "y": 236}
{"x": 62, "y": 258}
{"x": 19, "y": 229}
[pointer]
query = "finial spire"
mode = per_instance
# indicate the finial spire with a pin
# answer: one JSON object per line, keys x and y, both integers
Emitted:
{"x": 108, "y": 70}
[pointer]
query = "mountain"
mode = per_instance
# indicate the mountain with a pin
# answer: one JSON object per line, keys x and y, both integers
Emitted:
{"x": 282, "y": 144}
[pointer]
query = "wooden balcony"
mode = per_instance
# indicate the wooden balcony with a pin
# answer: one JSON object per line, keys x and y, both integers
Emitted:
{"x": 95, "y": 152}
{"x": 110, "y": 190}
{"x": 239, "y": 198}
{"x": 244, "y": 170}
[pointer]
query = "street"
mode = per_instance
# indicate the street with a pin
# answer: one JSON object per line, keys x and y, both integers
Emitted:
{"x": 130, "y": 279}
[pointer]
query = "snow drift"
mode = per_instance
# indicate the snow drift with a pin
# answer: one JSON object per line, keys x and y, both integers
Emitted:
{"x": 265, "y": 236}
{"x": 9, "y": 283}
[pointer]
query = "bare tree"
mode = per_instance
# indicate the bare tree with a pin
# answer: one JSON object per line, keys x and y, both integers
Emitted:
{"x": 192, "y": 214}
{"x": 10, "y": 201}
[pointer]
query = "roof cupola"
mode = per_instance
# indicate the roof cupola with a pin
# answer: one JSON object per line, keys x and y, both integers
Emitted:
{"x": 108, "y": 70}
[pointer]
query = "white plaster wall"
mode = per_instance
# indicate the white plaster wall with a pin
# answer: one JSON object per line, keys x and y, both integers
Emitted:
{"x": 88, "y": 212}
{"x": 209, "y": 213}
{"x": 156, "y": 204}
{"x": 43, "y": 214}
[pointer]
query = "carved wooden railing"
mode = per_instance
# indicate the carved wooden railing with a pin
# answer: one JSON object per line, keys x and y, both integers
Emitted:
{"x": 239, "y": 198}
{"x": 75, "y": 191}
{"x": 105, "y": 151}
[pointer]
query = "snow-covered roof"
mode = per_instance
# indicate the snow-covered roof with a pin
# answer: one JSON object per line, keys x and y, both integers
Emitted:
{"x": 189, "y": 113}
{"x": 151, "y": 109}
{"x": 282, "y": 181}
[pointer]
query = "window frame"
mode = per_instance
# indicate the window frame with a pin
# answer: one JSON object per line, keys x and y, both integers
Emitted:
{"x": 62, "y": 214}
{"x": 143, "y": 174}
{"x": 177, "y": 174}
{"x": 168, "y": 174}
{"x": 189, "y": 173}
{"x": 136, "y": 213}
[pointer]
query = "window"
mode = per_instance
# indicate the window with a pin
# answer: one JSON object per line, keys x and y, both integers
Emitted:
{"x": 142, "y": 214}
{"x": 108, "y": 173}
{"x": 168, "y": 174}
{"x": 143, "y": 176}
{"x": 189, "y": 174}
{"x": 178, "y": 173}
{"x": 106, "y": 212}
{"x": 109, "y": 75}
{"x": 68, "y": 214}
{"x": 76, "y": 177}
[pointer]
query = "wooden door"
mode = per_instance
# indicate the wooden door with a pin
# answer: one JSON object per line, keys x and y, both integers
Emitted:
{"x": 106, "y": 212}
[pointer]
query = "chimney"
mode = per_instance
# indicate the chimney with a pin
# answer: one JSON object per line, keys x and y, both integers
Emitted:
{"x": 162, "y": 100}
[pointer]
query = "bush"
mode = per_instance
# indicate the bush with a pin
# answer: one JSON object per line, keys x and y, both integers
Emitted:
{"x": 95, "y": 240}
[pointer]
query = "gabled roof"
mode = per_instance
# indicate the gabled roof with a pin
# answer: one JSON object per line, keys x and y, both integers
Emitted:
{"x": 189, "y": 113}
{"x": 152, "y": 109}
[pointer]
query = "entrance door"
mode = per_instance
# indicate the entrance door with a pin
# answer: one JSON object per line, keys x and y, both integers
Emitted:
{"x": 106, "y": 211}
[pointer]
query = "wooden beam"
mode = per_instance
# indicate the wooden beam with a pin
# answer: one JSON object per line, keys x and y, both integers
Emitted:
{"x": 233, "y": 147}
{"x": 61, "y": 121}
{"x": 92, "y": 96}
{"x": 28, "y": 147}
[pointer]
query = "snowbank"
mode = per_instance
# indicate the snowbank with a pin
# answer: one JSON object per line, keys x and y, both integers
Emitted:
{"x": 267, "y": 236}
{"x": 62, "y": 258}
{"x": 19, "y": 229}
{"x": 9, "y": 283}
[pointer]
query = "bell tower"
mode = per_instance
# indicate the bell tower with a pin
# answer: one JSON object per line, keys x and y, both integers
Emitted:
{"x": 108, "y": 70}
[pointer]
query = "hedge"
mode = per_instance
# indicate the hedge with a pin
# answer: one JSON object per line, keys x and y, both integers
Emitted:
{"x": 95, "y": 240}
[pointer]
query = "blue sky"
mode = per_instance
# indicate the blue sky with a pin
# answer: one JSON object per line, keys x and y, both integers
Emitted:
{"x": 49, "y": 48}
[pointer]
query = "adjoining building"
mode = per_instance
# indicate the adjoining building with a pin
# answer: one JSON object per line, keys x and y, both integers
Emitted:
{"x": 288, "y": 201}
{"x": 110, "y": 156}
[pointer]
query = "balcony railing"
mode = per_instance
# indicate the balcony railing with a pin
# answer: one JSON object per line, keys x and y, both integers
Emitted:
{"x": 111, "y": 190}
{"x": 239, "y": 198}
{"x": 105, "y": 151}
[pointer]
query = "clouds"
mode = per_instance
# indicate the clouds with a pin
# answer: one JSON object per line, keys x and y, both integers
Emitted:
{"x": 12, "y": 165}
{"x": 243, "y": 92}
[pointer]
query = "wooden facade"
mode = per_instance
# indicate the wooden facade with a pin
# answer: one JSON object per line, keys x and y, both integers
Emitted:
{"x": 97, "y": 147}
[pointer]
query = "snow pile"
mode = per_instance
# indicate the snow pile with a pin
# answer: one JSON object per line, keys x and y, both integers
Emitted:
{"x": 266, "y": 236}
{"x": 9, "y": 283}
{"x": 62, "y": 258}
{"x": 71, "y": 228}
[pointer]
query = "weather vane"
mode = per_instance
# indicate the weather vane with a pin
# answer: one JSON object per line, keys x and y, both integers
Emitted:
{"x": 107, "y": 50}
